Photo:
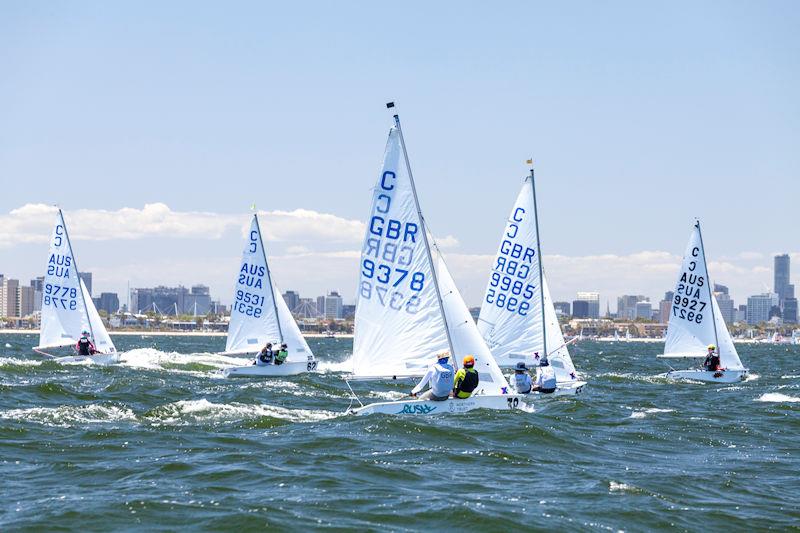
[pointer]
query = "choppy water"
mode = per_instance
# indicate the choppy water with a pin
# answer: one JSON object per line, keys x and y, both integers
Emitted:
{"x": 159, "y": 442}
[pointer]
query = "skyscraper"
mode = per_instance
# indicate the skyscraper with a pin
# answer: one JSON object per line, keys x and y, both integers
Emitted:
{"x": 782, "y": 276}
{"x": 759, "y": 307}
{"x": 592, "y": 300}
{"x": 87, "y": 280}
{"x": 292, "y": 299}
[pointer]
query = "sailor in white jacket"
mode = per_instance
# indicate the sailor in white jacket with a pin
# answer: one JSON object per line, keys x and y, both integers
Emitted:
{"x": 440, "y": 375}
{"x": 545, "y": 378}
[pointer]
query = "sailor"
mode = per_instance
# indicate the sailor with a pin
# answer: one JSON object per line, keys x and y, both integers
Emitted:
{"x": 545, "y": 378}
{"x": 282, "y": 354}
{"x": 265, "y": 356}
{"x": 85, "y": 346}
{"x": 712, "y": 362}
{"x": 440, "y": 377}
{"x": 522, "y": 379}
{"x": 466, "y": 379}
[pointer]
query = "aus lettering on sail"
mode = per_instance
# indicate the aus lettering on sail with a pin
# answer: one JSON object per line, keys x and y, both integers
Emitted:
{"x": 688, "y": 304}
{"x": 508, "y": 287}
{"x": 251, "y": 279}
{"x": 387, "y": 265}
{"x": 59, "y": 264}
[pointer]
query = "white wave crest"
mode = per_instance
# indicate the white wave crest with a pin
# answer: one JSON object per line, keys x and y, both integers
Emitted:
{"x": 189, "y": 412}
{"x": 777, "y": 397}
{"x": 643, "y": 414}
{"x": 153, "y": 359}
{"x": 13, "y": 361}
{"x": 71, "y": 415}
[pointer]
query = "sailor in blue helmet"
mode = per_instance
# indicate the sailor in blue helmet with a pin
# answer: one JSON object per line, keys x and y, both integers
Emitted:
{"x": 522, "y": 379}
{"x": 441, "y": 377}
{"x": 545, "y": 378}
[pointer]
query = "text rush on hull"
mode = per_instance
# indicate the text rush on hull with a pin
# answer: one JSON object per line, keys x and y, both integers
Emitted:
{"x": 260, "y": 315}
{"x": 408, "y": 307}
{"x": 695, "y": 323}
{"x": 67, "y": 307}
{"x": 518, "y": 319}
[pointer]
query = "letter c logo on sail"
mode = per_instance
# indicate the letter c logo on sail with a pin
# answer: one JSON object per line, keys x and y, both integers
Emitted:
{"x": 253, "y": 241}
{"x": 59, "y": 231}
{"x": 384, "y": 185}
{"x": 517, "y": 216}
{"x": 695, "y": 251}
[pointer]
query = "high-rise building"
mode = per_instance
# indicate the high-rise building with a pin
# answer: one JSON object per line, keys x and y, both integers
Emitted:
{"x": 25, "y": 300}
{"x": 643, "y": 310}
{"x": 9, "y": 297}
{"x": 665, "y": 307}
{"x": 781, "y": 276}
{"x": 109, "y": 302}
{"x": 320, "y": 306}
{"x": 759, "y": 307}
{"x": 198, "y": 301}
{"x": 333, "y": 306}
{"x": 593, "y": 301}
{"x": 171, "y": 300}
{"x": 626, "y": 305}
{"x": 292, "y": 300}
{"x": 562, "y": 308}
{"x": 725, "y": 302}
{"x": 790, "y": 310}
{"x": 580, "y": 308}
{"x": 38, "y": 285}
{"x": 87, "y": 280}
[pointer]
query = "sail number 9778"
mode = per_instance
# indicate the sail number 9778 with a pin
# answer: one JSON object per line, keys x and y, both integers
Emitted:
{"x": 60, "y": 297}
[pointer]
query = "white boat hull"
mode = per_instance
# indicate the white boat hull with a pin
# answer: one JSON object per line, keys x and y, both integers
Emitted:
{"x": 720, "y": 376}
{"x": 265, "y": 371}
{"x": 96, "y": 359}
{"x": 504, "y": 402}
{"x": 571, "y": 388}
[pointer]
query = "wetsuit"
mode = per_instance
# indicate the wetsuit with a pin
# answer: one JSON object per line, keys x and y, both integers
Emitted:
{"x": 466, "y": 381}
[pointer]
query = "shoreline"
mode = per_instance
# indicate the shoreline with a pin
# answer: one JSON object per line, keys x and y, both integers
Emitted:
{"x": 172, "y": 333}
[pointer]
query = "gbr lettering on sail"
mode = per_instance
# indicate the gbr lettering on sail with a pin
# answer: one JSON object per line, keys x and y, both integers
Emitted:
{"x": 387, "y": 272}
{"x": 688, "y": 302}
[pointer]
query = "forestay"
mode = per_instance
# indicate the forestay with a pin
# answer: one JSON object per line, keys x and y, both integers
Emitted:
{"x": 511, "y": 312}
{"x": 398, "y": 321}
{"x": 67, "y": 308}
{"x": 259, "y": 315}
{"x": 695, "y": 320}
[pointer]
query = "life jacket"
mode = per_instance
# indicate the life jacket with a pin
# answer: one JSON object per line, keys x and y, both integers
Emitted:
{"x": 265, "y": 356}
{"x": 84, "y": 346}
{"x": 465, "y": 383}
{"x": 281, "y": 356}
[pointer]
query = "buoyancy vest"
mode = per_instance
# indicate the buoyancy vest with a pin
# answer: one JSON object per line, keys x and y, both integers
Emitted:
{"x": 466, "y": 381}
{"x": 84, "y": 346}
{"x": 281, "y": 356}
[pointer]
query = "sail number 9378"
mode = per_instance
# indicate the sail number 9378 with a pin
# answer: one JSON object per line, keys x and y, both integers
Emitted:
{"x": 385, "y": 282}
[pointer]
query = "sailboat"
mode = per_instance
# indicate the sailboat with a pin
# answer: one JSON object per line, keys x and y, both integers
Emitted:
{"x": 695, "y": 321}
{"x": 67, "y": 307}
{"x": 518, "y": 319}
{"x": 408, "y": 308}
{"x": 260, "y": 315}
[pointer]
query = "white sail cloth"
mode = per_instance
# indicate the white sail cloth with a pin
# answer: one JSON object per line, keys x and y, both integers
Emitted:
{"x": 259, "y": 314}
{"x": 67, "y": 307}
{"x": 400, "y": 324}
{"x": 695, "y": 320}
{"x": 511, "y": 313}
{"x": 398, "y": 320}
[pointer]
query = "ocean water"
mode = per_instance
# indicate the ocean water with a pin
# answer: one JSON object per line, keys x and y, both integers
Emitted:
{"x": 161, "y": 443}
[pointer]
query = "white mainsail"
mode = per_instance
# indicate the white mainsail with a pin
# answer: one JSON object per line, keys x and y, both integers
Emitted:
{"x": 695, "y": 320}
{"x": 259, "y": 315}
{"x": 403, "y": 318}
{"x": 518, "y": 319}
{"x": 398, "y": 320}
{"x": 67, "y": 307}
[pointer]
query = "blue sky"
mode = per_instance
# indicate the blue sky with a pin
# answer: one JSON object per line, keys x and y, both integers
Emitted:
{"x": 640, "y": 116}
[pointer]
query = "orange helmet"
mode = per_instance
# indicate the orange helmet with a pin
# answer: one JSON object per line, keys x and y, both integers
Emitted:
{"x": 469, "y": 361}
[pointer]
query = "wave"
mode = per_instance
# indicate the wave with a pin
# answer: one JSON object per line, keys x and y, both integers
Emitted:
{"x": 150, "y": 358}
{"x": 777, "y": 397}
{"x": 13, "y": 361}
{"x": 67, "y": 416}
{"x": 191, "y": 412}
{"x": 644, "y": 413}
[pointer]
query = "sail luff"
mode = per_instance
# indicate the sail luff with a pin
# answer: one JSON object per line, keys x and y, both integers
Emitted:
{"x": 269, "y": 277}
{"x": 77, "y": 272}
{"x": 425, "y": 240}
{"x": 541, "y": 268}
{"x": 708, "y": 278}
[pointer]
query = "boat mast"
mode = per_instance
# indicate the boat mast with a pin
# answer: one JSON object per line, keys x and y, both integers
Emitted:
{"x": 271, "y": 288}
{"x": 708, "y": 282}
{"x": 424, "y": 235}
{"x": 77, "y": 273}
{"x": 541, "y": 275}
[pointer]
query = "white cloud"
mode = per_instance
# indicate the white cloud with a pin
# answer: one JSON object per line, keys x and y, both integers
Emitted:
{"x": 32, "y": 223}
